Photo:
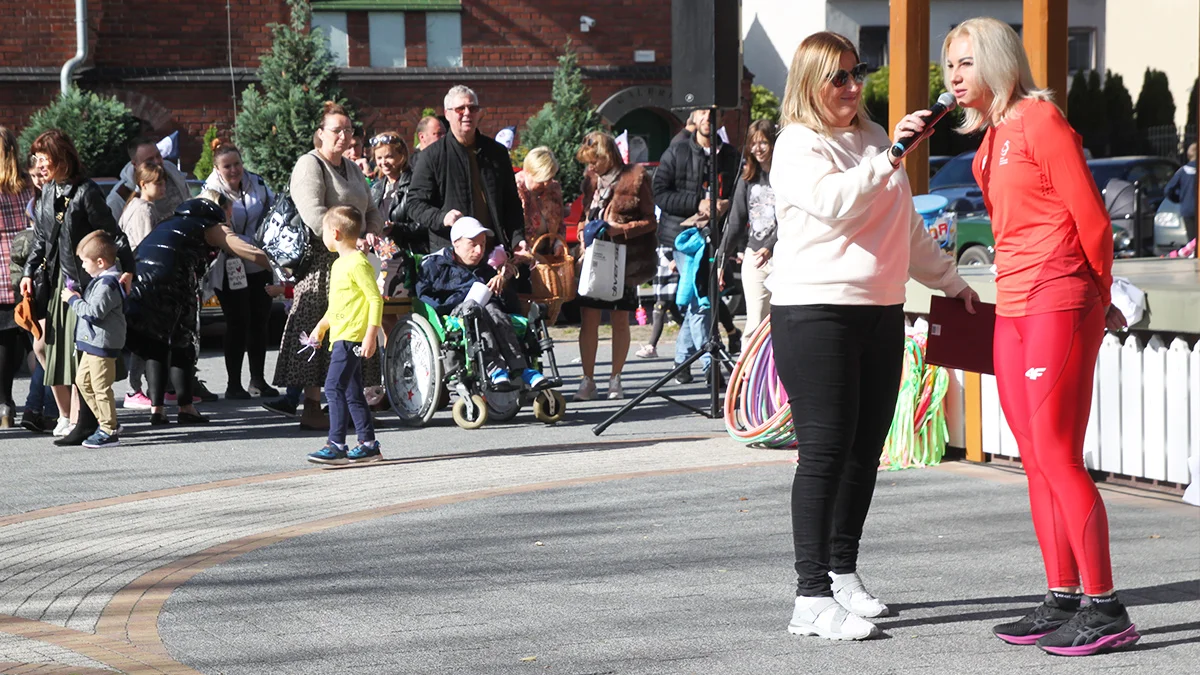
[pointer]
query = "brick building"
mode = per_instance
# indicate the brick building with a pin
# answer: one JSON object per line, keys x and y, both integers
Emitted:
{"x": 177, "y": 65}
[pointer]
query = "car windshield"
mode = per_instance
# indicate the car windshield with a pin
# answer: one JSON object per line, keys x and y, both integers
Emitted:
{"x": 956, "y": 172}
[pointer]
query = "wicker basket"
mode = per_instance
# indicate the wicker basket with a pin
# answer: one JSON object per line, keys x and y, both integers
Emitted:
{"x": 552, "y": 278}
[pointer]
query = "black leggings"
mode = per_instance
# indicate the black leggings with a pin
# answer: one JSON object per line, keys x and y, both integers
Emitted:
{"x": 725, "y": 317}
{"x": 247, "y": 313}
{"x": 163, "y": 361}
{"x": 841, "y": 367}
{"x": 12, "y": 350}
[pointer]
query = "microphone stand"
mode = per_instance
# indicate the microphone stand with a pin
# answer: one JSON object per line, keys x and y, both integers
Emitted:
{"x": 720, "y": 357}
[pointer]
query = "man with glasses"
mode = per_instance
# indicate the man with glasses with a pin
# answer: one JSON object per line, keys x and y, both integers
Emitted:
{"x": 466, "y": 173}
{"x": 681, "y": 191}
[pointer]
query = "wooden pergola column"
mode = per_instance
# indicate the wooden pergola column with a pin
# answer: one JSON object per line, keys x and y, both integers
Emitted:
{"x": 1045, "y": 36}
{"x": 908, "y": 79}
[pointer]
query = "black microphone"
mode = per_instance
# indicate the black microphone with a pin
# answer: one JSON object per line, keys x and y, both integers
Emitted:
{"x": 945, "y": 103}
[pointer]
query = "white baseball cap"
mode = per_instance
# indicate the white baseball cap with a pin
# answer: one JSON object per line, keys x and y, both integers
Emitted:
{"x": 467, "y": 228}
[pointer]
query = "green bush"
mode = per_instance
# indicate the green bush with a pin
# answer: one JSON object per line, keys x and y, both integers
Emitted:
{"x": 944, "y": 140}
{"x": 297, "y": 76}
{"x": 100, "y": 126}
{"x": 204, "y": 165}
{"x": 1087, "y": 112}
{"x": 764, "y": 104}
{"x": 563, "y": 122}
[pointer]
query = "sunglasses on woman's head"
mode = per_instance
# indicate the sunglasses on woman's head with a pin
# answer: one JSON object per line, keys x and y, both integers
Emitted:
{"x": 841, "y": 77}
{"x": 384, "y": 139}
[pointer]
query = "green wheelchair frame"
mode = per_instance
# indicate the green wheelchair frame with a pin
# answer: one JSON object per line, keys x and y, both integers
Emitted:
{"x": 428, "y": 356}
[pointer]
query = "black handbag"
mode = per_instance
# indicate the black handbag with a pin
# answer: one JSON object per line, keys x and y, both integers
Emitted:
{"x": 287, "y": 241}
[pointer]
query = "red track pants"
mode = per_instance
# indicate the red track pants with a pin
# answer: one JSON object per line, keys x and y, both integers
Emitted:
{"x": 1044, "y": 369}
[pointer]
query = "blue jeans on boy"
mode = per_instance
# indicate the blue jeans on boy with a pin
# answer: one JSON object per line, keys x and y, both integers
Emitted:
{"x": 693, "y": 334}
{"x": 41, "y": 397}
{"x": 344, "y": 391}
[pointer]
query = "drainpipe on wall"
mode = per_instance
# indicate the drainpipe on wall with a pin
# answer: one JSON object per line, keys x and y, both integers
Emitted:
{"x": 81, "y": 46}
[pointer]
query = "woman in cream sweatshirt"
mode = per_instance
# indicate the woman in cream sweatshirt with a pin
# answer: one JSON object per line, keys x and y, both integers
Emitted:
{"x": 849, "y": 239}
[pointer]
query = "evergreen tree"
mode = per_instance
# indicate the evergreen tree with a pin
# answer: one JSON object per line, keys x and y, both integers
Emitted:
{"x": 204, "y": 165}
{"x": 563, "y": 122}
{"x": 276, "y": 125}
{"x": 764, "y": 104}
{"x": 1118, "y": 108}
{"x": 875, "y": 96}
{"x": 1155, "y": 105}
{"x": 1099, "y": 116}
{"x": 100, "y": 126}
{"x": 1078, "y": 111}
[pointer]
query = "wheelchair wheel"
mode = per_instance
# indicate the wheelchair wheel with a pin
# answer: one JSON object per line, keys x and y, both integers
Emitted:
{"x": 549, "y": 407}
{"x": 503, "y": 405}
{"x": 413, "y": 370}
{"x": 462, "y": 417}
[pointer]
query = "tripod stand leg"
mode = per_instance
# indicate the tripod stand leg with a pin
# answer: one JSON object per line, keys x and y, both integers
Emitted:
{"x": 651, "y": 390}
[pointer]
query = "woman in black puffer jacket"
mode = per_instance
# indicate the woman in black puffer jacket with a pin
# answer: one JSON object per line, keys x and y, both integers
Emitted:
{"x": 163, "y": 309}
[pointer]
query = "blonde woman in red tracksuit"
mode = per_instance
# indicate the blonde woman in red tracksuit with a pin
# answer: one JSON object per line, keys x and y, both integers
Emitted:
{"x": 1053, "y": 277}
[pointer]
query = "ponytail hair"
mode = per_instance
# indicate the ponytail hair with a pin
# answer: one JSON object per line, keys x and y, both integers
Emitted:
{"x": 329, "y": 108}
{"x": 222, "y": 146}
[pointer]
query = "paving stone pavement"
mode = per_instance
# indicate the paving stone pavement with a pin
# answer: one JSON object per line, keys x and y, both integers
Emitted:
{"x": 682, "y": 573}
{"x": 198, "y": 545}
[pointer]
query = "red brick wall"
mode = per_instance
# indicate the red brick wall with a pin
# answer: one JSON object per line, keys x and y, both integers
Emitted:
{"x": 37, "y": 34}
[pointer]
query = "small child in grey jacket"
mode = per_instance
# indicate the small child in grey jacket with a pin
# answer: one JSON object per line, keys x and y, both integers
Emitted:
{"x": 100, "y": 332}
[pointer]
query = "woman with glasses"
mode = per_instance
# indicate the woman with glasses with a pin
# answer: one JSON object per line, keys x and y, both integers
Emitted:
{"x": 848, "y": 240}
{"x": 241, "y": 286}
{"x": 322, "y": 179}
{"x": 70, "y": 207}
{"x": 750, "y": 232}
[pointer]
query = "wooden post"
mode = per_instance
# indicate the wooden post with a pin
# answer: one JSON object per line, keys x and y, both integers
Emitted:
{"x": 1045, "y": 34}
{"x": 973, "y": 417}
{"x": 908, "y": 79}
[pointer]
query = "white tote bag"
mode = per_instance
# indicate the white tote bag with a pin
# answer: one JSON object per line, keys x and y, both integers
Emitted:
{"x": 603, "y": 273}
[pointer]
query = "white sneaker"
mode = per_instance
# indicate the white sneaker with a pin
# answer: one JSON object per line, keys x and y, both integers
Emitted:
{"x": 615, "y": 391}
{"x": 63, "y": 427}
{"x": 825, "y": 618}
{"x": 849, "y": 591}
{"x": 586, "y": 391}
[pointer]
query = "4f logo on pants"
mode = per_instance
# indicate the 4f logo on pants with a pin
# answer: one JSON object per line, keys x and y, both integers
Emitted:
{"x": 1035, "y": 373}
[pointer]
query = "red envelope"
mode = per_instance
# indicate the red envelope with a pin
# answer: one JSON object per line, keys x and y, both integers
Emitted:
{"x": 958, "y": 339}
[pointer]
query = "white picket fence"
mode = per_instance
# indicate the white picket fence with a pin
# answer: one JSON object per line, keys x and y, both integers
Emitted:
{"x": 1145, "y": 419}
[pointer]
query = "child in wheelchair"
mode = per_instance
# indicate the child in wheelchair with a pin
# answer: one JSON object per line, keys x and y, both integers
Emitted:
{"x": 458, "y": 280}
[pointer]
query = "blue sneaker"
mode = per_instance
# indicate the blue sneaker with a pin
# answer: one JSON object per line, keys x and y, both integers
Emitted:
{"x": 367, "y": 451}
{"x": 102, "y": 440}
{"x": 534, "y": 379}
{"x": 499, "y": 379}
{"x": 330, "y": 454}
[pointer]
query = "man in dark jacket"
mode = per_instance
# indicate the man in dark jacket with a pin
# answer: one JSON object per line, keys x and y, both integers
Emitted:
{"x": 466, "y": 174}
{"x": 1182, "y": 190}
{"x": 681, "y": 191}
{"x": 429, "y": 130}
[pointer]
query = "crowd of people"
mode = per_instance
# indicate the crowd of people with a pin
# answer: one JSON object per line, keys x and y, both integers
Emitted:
{"x": 818, "y": 216}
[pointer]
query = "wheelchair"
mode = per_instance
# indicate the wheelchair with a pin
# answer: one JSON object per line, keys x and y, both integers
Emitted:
{"x": 430, "y": 357}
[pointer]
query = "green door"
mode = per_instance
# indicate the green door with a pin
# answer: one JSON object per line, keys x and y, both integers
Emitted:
{"x": 652, "y": 128}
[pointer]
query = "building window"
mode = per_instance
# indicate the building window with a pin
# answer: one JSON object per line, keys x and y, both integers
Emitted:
{"x": 1081, "y": 49}
{"x": 333, "y": 26}
{"x": 387, "y": 39}
{"x": 873, "y": 46}
{"x": 443, "y": 39}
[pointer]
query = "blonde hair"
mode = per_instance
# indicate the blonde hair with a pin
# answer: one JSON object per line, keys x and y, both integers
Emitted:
{"x": 14, "y": 177}
{"x": 1000, "y": 65}
{"x": 816, "y": 60}
{"x": 219, "y": 198}
{"x": 346, "y": 220}
{"x": 541, "y": 165}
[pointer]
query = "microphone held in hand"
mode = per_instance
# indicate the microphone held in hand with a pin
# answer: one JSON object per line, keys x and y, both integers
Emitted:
{"x": 937, "y": 111}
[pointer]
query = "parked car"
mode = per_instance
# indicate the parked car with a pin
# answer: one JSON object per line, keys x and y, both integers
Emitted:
{"x": 955, "y": 182}
{"x": 936, "y": 162}
{"x": 1169, "y": 231}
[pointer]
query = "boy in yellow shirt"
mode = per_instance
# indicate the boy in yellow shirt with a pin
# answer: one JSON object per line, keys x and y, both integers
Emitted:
{"x": 352, "y": 321}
